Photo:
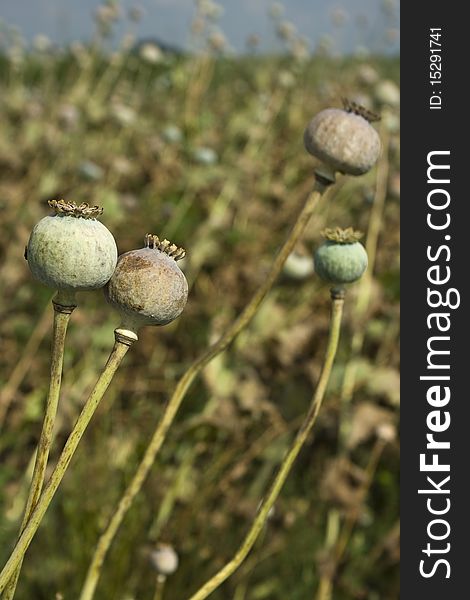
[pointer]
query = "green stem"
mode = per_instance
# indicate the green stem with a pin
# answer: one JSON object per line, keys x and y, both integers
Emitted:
{"x": 289, "y": 459}
{"x": 61, "y": 320}
{"x": 182, "y": 387}
{"x": 124, "y": 339}
{"x": 159, "y": 587}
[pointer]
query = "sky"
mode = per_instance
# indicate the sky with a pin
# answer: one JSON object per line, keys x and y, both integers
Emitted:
{"x": 64, "y": 21}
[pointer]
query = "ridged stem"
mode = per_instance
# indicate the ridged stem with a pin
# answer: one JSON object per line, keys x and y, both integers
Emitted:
{"x": 61, "y": 321}
{"x": 288, "y": 461}
{"x": 121, "y": 346}
{"x": 182, "y": 387}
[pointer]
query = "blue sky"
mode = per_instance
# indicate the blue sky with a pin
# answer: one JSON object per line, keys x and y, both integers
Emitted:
{"x": 169, "y": 20}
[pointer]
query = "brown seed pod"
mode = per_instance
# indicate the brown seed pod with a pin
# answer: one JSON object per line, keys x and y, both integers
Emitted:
{"x": 148, "y": 287}
{"x": 344, "y": 140}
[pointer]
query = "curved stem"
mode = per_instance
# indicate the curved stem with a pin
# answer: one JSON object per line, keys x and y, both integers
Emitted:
{"x": 176, "y": 399}
{"x": 61, "y": 321}
{"x": 121, "y": 346}
{"x": 288, "y": 461}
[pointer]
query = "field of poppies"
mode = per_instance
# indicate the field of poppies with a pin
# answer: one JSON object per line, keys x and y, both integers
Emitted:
{"x": 206, "y": 150}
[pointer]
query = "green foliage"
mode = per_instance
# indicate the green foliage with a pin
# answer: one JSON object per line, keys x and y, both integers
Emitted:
{"x": 90, "y": 129}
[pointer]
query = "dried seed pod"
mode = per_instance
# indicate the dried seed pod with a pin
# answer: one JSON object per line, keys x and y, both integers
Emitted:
{"x": 387, "y": 92}
{"x": 71, "y": 251}
{"x": 341, "y": 258}
{"x": 147, "y": 286}
{"x": 164, "y": 559}
{"x": 298, "y": 266}
{"x": 344, "y": 140}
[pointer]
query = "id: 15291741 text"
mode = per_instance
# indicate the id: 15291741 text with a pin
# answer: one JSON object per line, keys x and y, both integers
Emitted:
{"x": 435, "y": 68}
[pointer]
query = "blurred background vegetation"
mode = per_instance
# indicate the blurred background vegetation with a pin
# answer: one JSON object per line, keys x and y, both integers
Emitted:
{"x": 204, "y": 148}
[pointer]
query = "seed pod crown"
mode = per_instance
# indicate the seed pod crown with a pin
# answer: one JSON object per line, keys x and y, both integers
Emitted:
{"x": 84, "y": 210}
{"x": 153, "y": 241}
{"x": 342, "y": 236}
{"x": 341, "y": 258}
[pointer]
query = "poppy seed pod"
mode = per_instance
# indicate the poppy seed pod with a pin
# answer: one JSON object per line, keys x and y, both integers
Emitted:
{"x": 147, "y": 286}
{"x": 164, "y": 559}
{"x": 341, "y": 258}
{"x": 344, "y": 140}
{"x": 71, "y": 251}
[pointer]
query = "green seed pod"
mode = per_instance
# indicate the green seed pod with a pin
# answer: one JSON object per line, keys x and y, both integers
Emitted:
{"x": 71, "y": 251}
{"x": 148, "y": 287}
{"x": 344, "y": 140}
{"x": 341, "y": 258}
